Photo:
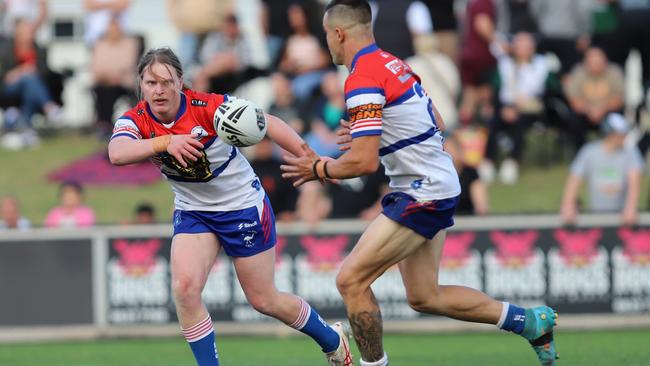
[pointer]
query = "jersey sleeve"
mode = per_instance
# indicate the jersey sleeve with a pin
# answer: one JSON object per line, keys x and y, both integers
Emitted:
{"x": 365, "y": 99}
{"x": 126, "y": 126}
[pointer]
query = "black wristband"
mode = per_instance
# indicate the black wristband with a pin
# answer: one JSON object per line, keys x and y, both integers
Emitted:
{"x": 327, "y": 174}
{"x": 313, "y": 168}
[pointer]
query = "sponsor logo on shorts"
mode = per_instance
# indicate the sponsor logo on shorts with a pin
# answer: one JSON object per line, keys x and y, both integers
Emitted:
{"x": 246, "y": 225}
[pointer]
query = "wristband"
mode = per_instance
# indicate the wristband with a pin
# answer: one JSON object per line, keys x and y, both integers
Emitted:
{"x": 327, "y": 174}
{"x": 313, "y": 168}
{"x": 159, "y": 144}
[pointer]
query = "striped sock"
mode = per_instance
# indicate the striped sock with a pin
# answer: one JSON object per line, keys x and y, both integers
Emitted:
{"x": 201, "y": 340}
{"x": 310, "y": 323}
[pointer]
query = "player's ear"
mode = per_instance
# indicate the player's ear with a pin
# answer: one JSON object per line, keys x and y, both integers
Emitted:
{"x": 340, "y": 35}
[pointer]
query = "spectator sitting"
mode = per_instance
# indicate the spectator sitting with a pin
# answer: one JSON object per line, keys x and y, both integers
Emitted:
{"x": 225, "y": 58}
{"x": 594, "y": 89}
{"x": 328, "y": 112}
{"x": 358, "y": 197}
{"x": 284, "y": 105}
{"x": 194, "y": 20}
{"x": 612, "y": 172}
{"x": 10, "y": 217}
{"x": 523, "y": 78}
{"x": 282, "y": 194}
{"x": 99, "y": 14}
{"x": 473, "y": 198}
{"x": 304, "y": 60}
{"x": 145, "y": 214}
{"x": 70, "y": 212}
{"x": 114, "y": 79}
{"x": 34, "y": 11}
{"x": 22, "y": 68}
{"x": 440, "y": 77}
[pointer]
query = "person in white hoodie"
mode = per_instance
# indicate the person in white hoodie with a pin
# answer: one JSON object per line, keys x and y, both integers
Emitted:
{"x": 523, "y": 75}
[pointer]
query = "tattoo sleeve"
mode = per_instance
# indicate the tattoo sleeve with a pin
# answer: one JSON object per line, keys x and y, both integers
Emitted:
{"x": 367, "y": 328}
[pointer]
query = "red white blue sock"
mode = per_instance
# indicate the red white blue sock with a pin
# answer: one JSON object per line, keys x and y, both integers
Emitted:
{"x": 201, "y": 340}
{"x": 512, "y": 318}
{"x": 310, "y": 323}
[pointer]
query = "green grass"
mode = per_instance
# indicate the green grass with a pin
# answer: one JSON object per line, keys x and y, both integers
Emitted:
{"x": 24, "y": 174}
{"x": 628, "y": 348}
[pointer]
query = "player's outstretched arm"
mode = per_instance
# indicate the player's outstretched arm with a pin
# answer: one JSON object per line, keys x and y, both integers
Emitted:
{"x": 124, "y": 150}
{"x": 282, "y": 134}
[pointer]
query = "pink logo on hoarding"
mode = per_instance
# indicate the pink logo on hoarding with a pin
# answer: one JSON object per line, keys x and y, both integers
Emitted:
{"x": 455, "y": 252}
{"x": 578, "y": 248}
{"x": 137, "y": 258}
{"x": 637, "y": 245}
{"x": 514, "y": 249}
{"x": 324, "y": 253}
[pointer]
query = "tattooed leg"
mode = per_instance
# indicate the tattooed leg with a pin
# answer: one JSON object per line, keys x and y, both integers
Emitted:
{"x": 367, "y": 326}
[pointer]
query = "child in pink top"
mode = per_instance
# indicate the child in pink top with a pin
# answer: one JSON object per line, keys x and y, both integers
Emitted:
{"x": 71, "y": 212}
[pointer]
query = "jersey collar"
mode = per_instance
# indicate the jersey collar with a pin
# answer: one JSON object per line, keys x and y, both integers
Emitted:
{"x": 364, "y": 51}
{"x": 179, "y": 114}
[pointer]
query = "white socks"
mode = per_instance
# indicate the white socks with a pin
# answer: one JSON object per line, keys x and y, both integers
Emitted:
{"x": 504, "y": 314}
{"x": 382, "y": 362}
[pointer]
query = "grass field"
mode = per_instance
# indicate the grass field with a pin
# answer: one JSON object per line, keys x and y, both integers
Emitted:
{"x": 24, "y": 174}
{"x": 628, "y": 348}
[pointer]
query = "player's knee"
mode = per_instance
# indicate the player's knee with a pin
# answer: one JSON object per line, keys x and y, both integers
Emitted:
{"x": 186, "y": 289}
{"x": 262, "y": 303}
{"x": 347, "y": 283}
{"x": 424, "y": 302}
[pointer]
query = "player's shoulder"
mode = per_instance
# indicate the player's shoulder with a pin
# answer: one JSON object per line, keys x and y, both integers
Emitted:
{"x": 136, "y": 114}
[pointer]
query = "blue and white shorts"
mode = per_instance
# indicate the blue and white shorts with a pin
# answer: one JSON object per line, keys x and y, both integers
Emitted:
{"x": 241, "y": 233}
{"x": 424, "y": 217}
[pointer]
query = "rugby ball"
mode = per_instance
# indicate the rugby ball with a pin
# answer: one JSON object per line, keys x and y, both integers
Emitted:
{"x": 239, "y": 122}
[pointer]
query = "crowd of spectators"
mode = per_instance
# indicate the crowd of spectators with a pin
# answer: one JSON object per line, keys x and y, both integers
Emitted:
{"x": 494, "y": 68}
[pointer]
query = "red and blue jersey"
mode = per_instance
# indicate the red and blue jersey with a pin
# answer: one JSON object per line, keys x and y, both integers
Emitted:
{"x": 221, "y": 180}
{"x": 384, "y": 98}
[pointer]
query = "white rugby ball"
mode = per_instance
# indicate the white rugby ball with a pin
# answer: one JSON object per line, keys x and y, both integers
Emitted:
{"x": 239, "y": 122}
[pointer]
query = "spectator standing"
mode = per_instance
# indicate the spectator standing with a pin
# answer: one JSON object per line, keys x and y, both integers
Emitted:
{"x": 10, "y": 217}
{"x": 113, "y": 79}
{"x": 476, "y": 60}
{"x": 594, "y": 89}
{"x": 71, "y": 211}
{"x": 611, "y": 171}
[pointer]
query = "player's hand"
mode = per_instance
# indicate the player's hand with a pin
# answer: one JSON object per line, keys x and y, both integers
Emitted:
{"x": 344, "y": 138}
{"x": 185, "y": 148}
{"x": 568, "y": 214}
{"x": 300, "y": 168}
{"x": 629, "y": 216}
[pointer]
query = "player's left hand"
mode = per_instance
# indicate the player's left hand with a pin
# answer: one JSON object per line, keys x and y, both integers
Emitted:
{"x": 300, "y": 168}
{"x": 344, "y": 138}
